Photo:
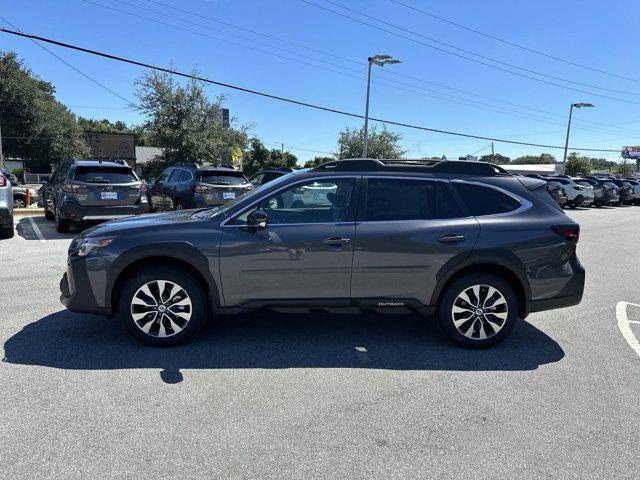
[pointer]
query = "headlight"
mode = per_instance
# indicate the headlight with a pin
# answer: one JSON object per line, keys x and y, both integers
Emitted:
{"x": 85, "y": 246}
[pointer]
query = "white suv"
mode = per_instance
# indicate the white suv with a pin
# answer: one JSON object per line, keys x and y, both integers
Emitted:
{"x": 577, "y": 194}
{"x": 6, "y": 207}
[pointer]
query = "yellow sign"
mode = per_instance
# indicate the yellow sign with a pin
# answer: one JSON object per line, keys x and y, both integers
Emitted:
{"x": 236, "y": 158}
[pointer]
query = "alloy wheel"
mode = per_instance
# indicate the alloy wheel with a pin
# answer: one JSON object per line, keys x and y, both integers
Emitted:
{"x": 161, "y": 308}
{"x": 479, "y": 312}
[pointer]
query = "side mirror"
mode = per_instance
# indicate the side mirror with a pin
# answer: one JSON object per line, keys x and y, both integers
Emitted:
{"x": 257, "y": 219}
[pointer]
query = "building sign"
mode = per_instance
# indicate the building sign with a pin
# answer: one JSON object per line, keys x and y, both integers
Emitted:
{"x": 631, "y": 152}
{"x": 109, "y": 146}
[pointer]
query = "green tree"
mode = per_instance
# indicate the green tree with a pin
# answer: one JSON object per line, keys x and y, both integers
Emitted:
{"x": 625, "y": 169}
{"x": 601, "y": 164}
{"x": 258, "y": 157}
{"x": 382, "y": 143}
{"x": 35, "y": 126}
{"x": 318, "y": 161}
{"x": 544, "y": 159}
{"x": 184, "y": 122}
{"x": 577, "y": 166}
{"x": 495, "y": 158}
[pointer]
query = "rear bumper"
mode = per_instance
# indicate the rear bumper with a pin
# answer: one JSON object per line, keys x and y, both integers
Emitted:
{"x": 75, "y": 290}
{"x": 570, "y": 295}
{"x": 76, "y": 212}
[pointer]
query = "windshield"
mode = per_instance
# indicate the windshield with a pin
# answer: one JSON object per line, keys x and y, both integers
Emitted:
{"x": 245, "y": 196}
{"x": 222, "y": 178}
{"x": 104, "y": 175}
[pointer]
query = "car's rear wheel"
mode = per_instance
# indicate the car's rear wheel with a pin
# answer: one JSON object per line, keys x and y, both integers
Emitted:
{"x": 162, "y": 306}
{"x": 19, "y": 202}
{"x": 62, "y": 226}
{"x": 48, "y": 214}
{"x": 6, "y": 232}
{"x": 478, "y": 310}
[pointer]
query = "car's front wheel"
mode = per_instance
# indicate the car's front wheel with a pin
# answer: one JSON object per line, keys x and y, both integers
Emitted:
{"x": 478, "y": 310}
{"x": 162, "y": 306}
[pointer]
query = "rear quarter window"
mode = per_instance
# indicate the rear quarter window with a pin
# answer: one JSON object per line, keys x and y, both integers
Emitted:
{"x": 483, "y": 200}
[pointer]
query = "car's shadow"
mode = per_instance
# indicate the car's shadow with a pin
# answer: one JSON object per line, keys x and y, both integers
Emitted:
{"x": 267, "y": 339}
{"x": 47, "y": 229}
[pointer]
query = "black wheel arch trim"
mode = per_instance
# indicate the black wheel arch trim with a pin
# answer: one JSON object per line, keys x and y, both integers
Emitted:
{"x": 182, "y": 251}
{"x": 500, "y": 258}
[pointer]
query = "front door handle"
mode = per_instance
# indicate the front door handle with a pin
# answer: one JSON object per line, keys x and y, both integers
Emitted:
{"x": 451, "y": 238}
{"x": 336, "y": 241}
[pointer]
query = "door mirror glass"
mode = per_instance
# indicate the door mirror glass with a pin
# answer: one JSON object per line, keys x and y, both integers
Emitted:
{"x": 257, "y": 219}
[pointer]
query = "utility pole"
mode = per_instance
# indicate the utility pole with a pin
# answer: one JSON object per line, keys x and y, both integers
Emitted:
{"x": 2, "y": 166}
{"x": 492, "y": 152}
{"x": 566, "y": 143}
{"x": 282, "y": 149}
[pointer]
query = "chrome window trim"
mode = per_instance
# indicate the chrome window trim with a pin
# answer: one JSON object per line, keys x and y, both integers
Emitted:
{"x": 524, "y": 203}
{"x": 284, "y": 187}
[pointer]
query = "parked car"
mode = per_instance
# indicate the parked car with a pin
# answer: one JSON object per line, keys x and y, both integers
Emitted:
{"x": 636, "y": 189}
{"x": 577, "y": 195}
{"x": 466, "y": 241}
{"x": 610, "y": 191}
{"x": 627, "y": 193}
{"x": 557, "y": 191}
{"x": 20, "y": 191}
{"x": 265, "y": 176}
{"x": 6, "y": 207}
{"x": 188, "y": 185}
{"x": 86, "y": 190}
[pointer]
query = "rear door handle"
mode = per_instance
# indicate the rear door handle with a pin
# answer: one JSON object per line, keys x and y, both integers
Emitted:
{"x": 451, "y": 238}
{"x": 336, "y": 241}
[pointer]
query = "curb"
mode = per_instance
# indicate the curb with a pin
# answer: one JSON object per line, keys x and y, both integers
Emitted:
{"x": 28, "y": 212}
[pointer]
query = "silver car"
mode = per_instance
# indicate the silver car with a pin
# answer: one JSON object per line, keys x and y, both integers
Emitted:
{"x": 577, "y": 194}
{"x": 6, "y": 207}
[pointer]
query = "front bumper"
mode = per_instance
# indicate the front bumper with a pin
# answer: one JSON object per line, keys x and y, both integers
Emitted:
{"x": 76, "y": 212}
{"x": 75, "y": 289}
{"x": 569, "y": 296}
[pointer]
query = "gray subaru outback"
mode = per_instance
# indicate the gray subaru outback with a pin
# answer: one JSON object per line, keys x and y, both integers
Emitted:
{"x": 465, "y": 241}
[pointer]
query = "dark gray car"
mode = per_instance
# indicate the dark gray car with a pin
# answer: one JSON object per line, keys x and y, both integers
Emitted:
{"x": 465, "y": 241}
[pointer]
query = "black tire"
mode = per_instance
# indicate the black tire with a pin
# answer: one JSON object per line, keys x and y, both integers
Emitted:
{"x": 62, "y": 226}
{"x": 6, "y": 232}
{"x": 190, "y": 290}
{"x": 445, "y": 314}
{"x": 177, "y": 205}
{"x": 48, "y": 215}
{"x": 19, "y": 202}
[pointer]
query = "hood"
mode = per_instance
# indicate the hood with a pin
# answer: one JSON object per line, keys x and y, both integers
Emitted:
{"x": 146, "y": 221}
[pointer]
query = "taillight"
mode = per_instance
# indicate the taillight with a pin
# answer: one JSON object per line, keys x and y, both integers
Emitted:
{"x": 69, "y": 188}
{"x": 571, "y": 233}
{"x": 3, "y": 181}
{"x": 143, "y": 188}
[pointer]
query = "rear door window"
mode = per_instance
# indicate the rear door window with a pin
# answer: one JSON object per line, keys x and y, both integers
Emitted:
{"x": 104, "y": 175}
{"x": 400, "y": 199}
{"x": 484, "y": 200}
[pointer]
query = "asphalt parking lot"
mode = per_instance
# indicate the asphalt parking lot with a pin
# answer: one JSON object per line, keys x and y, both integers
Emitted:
{"x": 321, "y": 395}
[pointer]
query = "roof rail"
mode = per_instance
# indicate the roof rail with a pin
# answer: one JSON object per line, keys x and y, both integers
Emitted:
{"x": 424, "y": 165}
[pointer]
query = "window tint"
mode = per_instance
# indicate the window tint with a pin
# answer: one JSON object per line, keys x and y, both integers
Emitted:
{"x": 175, "y": 176}
{"x": 447, "y": 205}
{"x": 164, "y": 176}
{"x": 482, "y": 200}
{"x": 62, "y": 173}
{"x": 324, "y": 201}
{"x": 104, "y": 175}
{"x": 223, "y": 178}
{"x": 270, "y": 176}
{"x": 399, "y": 199}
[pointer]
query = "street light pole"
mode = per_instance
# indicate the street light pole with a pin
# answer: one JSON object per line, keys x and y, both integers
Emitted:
{"x": 566, "y": 143}
{"x": 381, "y": 61}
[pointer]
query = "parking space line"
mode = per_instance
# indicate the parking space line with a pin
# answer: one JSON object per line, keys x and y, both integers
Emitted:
{"x": 37, "y": 230}
{"x": 625, "y": 328}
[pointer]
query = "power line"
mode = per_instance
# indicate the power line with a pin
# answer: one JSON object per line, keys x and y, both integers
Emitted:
{"x": 88, "y": 77}
{"x": 472, "y": 59}
{"x": 469, "y": 52}
{"x": 482, "y": 106}
{"x": 280, "y": 98}
{"x": 513, "y": 44}
{"x": 492, "y": 108}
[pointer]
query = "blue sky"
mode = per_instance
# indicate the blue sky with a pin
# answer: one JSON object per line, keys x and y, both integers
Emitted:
{"x": 594, "y": 33}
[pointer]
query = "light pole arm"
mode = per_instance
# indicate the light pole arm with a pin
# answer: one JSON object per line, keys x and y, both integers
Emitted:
{"x": 366, "y": 115}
